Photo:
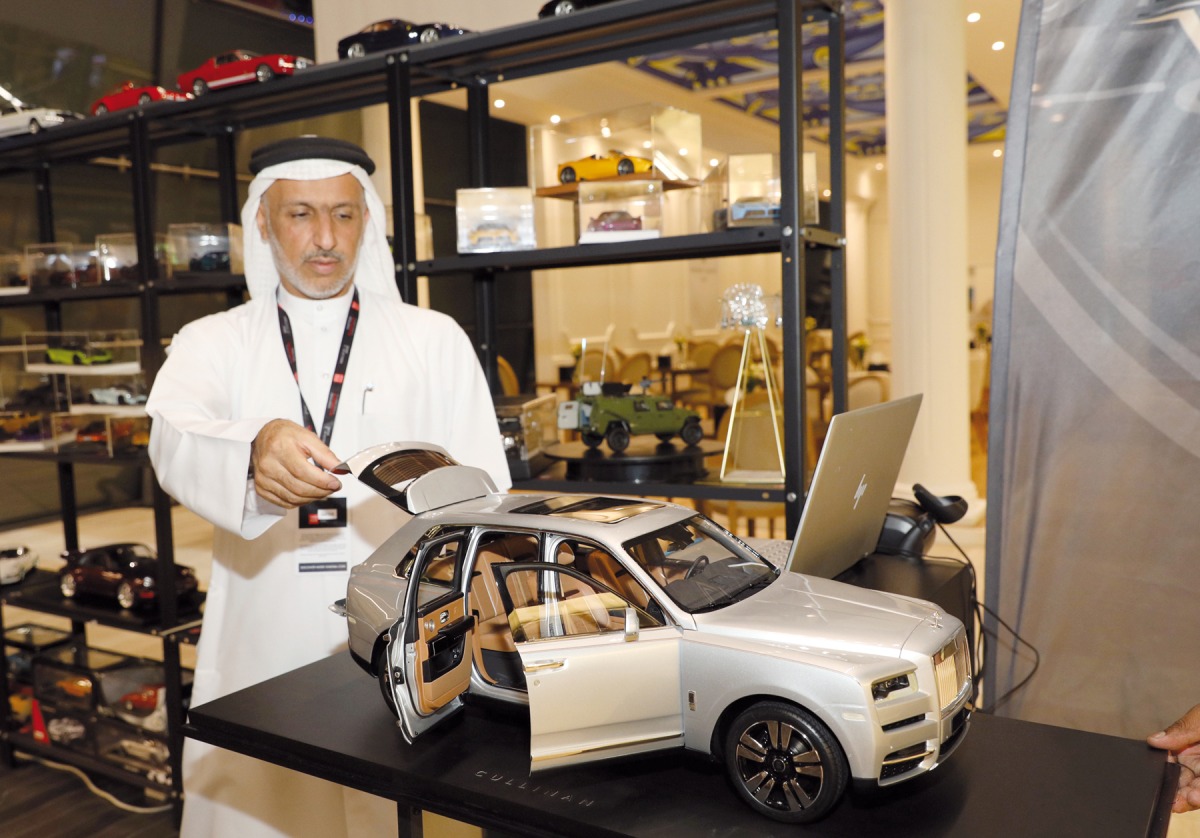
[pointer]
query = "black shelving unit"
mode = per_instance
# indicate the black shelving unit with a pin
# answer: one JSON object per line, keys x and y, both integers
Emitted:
{"x": 473, "y": 62}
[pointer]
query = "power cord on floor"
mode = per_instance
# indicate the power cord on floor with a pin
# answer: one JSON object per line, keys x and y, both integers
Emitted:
{"x": 94, "y": 789}
{"x": 974, "y": 606}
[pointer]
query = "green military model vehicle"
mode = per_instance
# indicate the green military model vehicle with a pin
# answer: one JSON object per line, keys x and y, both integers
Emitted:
{"x": 609, "y": 413}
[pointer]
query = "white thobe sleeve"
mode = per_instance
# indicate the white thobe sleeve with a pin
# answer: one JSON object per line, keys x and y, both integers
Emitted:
{"x": 200, "y": 450}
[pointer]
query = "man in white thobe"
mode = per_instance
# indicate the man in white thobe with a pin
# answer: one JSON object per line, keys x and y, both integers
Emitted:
{"x": 325, "y": 347}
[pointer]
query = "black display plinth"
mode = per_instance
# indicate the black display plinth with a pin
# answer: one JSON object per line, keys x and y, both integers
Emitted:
{"x": 1008, "y": 778}
{"x": 646, "y": 460}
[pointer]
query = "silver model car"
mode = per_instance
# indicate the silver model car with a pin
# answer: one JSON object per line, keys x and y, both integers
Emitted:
{"x": 629, "y": 625}
{"x": 16, "y": 563}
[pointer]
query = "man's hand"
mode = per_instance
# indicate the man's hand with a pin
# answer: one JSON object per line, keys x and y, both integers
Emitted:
{"x": 283, "y": 457}
{"x": 1182, "y": 739}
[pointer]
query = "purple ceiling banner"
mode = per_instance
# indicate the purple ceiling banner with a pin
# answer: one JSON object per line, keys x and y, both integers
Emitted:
{"x": 1094, "y": 444}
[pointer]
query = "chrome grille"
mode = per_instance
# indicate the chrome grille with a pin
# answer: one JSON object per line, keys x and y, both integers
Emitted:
{"x": 952, "y": 665}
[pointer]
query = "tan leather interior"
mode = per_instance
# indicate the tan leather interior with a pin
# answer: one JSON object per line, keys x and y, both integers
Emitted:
{"x": 608, "y": 571}
{"x": 492, "y": 631}
{"x": 436, "y": 693}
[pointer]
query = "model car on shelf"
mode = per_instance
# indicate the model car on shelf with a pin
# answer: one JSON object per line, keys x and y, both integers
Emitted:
{"x": 565, "y": 7}
{"x": 78, "y": 354}
{"x": 93, "y": 433}
{"x": 125, "y": 573}
{"x": 615, "y": 220}
{"x": 393, "y": 33}
{"x": 76, "y": 686}
{"x": 609, "y": 412}
{"x": 613, "y": 164}
{"x": 630, "y": 625}
{"x": 16, "y": 563}
{"x": 493, "y": 234}
{"x": 214, "y": 260}
{"x": 20, "y": 119}
{"x": 239, "y": 66}
{"x": 147, "y": 750}
{"x": 115, "y": 395}
{"x": 130, "y": 94}
{"x": 64, "y": 730}
{"x": 142, "y": 700}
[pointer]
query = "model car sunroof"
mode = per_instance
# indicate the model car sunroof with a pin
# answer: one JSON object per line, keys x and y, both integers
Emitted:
{"x": 600, "y": 510}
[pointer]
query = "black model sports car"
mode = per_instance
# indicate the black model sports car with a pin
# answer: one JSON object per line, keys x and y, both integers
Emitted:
{"x": 393, "y": 34}
{"x": 127, "y": 573}
{"x": 565, "y": 7}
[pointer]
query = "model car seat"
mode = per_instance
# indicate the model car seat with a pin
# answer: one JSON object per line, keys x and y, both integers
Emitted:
{"x": 606, "y": 570}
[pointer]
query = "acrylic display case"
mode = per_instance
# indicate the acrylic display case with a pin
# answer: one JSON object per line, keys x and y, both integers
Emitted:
{"x": 80, "y": 432}
{"x": 205, "y": 248}
{"x": 117, "y": 257}
{"x": 96, "y": 353}
{"x": 133, "y": 749}
{"x": 612, "y": 211}
{"x": 24, "y": 431}
{"x": 14, "y": 277}
{"x": 495, "y": 219}
{"x": 128, "y": 433}
{"x": 60, "y": 265}
{"x": 528, "y": 426}
{"x": 117, "y": 394}
{"x": 638, "y": 142}
{"x": 744, "y": 191}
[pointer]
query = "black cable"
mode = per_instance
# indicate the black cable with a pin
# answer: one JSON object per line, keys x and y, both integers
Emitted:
{"x": 975, "y": 607}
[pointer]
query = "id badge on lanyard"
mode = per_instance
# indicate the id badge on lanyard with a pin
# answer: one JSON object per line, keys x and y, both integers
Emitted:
{"x": 323, "y": 538}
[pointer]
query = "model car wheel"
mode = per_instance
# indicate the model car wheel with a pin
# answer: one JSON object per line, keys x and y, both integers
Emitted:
{"x": 356, "y": 51}
{"x": 618, "y": 438}
{"x": 34, "y": 126}
{"x": 125, "y": 596}
{"x": 624, "y": 167}
{"x": 199, "y": 87}
{"x": 567, "y": 175}
{"x": 564, "y": 7}
{"x": 101, "y": 109}
{"x": 144, "y": 99}
{"x": 785, "y": 763}
{"x": 66, "y": 585}
{"x": 591, "y": 440}
{"x": 692, "y": 433}
{"x": 264, "y": 73}
{"x": 428, "y": 36}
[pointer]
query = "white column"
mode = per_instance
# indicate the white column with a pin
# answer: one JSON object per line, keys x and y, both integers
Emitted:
{"x": 926, "y": 76}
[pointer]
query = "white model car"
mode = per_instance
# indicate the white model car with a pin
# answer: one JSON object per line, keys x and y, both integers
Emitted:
{"x": 18, "y": 119}
{"x": 630, "y": 625}
{"x": 16, "y": 563}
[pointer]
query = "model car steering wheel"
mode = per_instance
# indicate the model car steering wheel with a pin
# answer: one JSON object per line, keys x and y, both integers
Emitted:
{"x": 696, "y": 567}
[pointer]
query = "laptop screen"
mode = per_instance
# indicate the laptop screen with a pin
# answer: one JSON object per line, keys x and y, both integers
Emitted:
{"x": 852, "y": 487}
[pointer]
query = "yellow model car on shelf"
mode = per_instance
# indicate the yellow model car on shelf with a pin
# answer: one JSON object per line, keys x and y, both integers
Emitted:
{"x": 612, "y": 164}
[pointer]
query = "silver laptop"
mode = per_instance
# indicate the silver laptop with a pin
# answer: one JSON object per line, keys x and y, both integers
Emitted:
{"x": 852, "y": 487}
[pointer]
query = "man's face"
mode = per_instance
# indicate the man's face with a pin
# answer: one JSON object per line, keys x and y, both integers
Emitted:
{"x": 314, "y": 228}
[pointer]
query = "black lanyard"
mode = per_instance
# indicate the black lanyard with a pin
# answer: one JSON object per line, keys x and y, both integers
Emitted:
{"x": 339, "y": 369}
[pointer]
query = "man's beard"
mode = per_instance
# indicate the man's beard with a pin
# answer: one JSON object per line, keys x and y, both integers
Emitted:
{"x": 330, "y": 287}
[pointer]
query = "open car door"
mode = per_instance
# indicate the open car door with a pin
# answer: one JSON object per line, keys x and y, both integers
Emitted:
{"x": 429, "y": 660}
{"x": 602, "y": 675}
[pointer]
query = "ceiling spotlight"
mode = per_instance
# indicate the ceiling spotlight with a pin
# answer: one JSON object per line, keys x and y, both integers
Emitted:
{"x": 997, "y": 46}
{"x": 826, "y": 193}
{"x": 499, "y": 103}
{"x": 555, "y": 119}
{"x": 879, "y": 167}
{"x": 999, "y": 152}
{"x": 714, "y": 163}
{"x": 683, "y": 152}
{"x": 973, "y": 17}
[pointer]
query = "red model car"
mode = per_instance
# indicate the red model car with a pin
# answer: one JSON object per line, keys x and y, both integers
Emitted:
{"x": 130, "y": 93}
{"x": 615, "y": 220}
{"x": 239, "y": 66}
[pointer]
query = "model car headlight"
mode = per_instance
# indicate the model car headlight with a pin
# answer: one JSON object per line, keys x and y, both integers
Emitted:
{"x": 890, "y": 686}
{"x": 301, "y": 63}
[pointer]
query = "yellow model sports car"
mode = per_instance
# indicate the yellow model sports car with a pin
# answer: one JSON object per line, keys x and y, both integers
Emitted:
{"x": 612, "y": 164}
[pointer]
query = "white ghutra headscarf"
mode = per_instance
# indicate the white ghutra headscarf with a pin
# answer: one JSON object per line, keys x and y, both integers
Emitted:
{"x": 315, "y": 158}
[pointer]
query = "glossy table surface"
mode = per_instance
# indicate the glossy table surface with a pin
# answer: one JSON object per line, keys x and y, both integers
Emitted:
{"x": 1008, "y": 778}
